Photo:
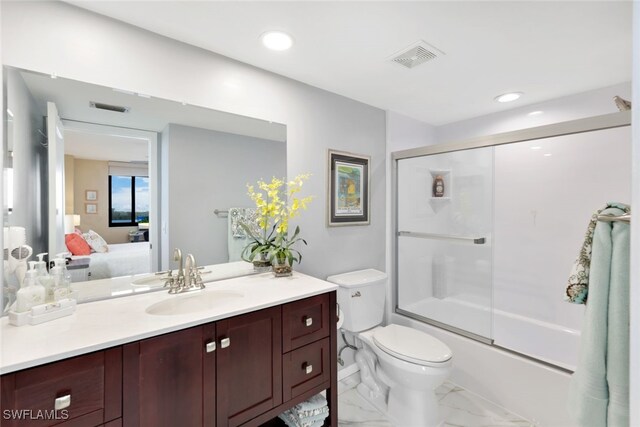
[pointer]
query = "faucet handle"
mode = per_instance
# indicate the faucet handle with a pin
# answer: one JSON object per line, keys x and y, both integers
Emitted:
{"x": 197, "y": 280}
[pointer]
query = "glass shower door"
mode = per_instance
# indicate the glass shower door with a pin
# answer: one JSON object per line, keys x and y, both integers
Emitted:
{"x": 444, "y": 238}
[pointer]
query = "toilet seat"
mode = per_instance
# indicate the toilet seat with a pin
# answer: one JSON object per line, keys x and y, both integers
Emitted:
{"x": 412, "y": 345}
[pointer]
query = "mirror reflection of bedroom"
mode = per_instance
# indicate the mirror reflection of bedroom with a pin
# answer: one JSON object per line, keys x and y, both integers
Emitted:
{"x": 114, "y": 180}
{"x": 107, "y": 201}
{"x": 93, "y": 161}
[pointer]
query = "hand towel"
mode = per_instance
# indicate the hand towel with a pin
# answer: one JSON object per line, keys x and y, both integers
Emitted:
{"x": 292, "y": 421}
{"x": 578, "y": 284}
{"x": 237, "y": 237}
{"x": 599, "y": 389}
{"x": 315, "y": 405}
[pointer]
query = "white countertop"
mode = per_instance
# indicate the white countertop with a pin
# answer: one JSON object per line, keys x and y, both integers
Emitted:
{"x": 108, "y": 323}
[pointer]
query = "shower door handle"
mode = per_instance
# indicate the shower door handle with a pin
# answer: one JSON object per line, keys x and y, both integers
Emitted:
{"x": 474, "y": 240}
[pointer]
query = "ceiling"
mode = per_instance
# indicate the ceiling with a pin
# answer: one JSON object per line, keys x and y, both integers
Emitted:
{"x": 120, "y": 139}
{"x": 546, "y": 49}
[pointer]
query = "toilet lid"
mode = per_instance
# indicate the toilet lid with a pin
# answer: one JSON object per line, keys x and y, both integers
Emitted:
{"x": 411, "y": 345}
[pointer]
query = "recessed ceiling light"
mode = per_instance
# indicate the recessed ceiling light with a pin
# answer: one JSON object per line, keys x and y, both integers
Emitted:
{"x": 508, "y": 97}
{"x": 535, "y": 113}
{"x": 547, "y": 154}
{"x": 277, "y": 40}
{"x": 537, "y": 147}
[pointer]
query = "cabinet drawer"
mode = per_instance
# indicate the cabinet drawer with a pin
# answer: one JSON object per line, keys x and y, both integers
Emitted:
{"x": 304, "y": 322}
{"x": 306, "y": 368}
{"x": 80, "y": 389}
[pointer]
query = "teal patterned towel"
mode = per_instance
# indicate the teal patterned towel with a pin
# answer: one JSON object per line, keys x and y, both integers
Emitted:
{"x": 599, "y": 390}
{"x": 578, "y": 286}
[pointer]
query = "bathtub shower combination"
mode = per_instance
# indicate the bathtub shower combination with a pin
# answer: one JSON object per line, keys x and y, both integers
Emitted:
{"x": 487, "y": 230}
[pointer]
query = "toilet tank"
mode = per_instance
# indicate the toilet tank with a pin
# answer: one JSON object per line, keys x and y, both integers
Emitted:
{"x": 361, "y": 297}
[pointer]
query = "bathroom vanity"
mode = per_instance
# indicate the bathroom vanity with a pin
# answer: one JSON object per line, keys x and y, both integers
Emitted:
{"x": 238, "y": 353}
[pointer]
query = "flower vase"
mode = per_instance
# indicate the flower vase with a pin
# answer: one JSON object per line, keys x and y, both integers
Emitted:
{"x": 281, "y": 268}
{"x": 261, "y": 263}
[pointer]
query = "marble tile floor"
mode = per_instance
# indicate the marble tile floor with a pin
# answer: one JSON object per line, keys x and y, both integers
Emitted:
{"x": 460, "y": 408}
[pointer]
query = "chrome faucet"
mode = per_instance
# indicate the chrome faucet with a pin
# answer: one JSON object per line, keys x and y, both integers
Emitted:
{"x": 177, "y": 256}
{"x": 188, "y": 279}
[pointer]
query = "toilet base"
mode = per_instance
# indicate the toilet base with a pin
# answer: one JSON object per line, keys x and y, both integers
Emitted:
{"x": 413, "y": 408}
{"x": 405, "y": 408}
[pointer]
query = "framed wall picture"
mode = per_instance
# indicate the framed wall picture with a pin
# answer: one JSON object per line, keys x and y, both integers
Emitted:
{"x": 91, "y": 195}
{"x": 91, "y": 208}
{"x": 348, "y": 189}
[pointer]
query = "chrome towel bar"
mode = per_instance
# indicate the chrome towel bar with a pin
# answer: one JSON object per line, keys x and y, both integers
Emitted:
{"x": 474, "y": 240}
{"x": 610, "y": 218}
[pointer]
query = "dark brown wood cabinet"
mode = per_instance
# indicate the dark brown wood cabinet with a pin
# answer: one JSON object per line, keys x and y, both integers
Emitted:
{"x": 80, "y": 391}
{"x": 249, "y": 366}
{"x": 164, "y": 379}
{"x": 240, "y": 371}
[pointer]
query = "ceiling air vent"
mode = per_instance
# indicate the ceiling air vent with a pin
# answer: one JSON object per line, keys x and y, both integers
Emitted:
{"x": 108, "y": 107}
{"x": 416, "y": 54}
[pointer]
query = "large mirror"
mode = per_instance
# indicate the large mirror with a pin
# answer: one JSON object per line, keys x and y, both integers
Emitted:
{"x": 120, "y": 179}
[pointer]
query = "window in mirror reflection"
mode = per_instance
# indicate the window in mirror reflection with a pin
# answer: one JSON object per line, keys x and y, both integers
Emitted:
{"x": 128, "y": 200}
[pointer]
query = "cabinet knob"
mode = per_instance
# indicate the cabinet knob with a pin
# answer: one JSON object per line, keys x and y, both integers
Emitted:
{"x": 307, "y": 367}
{"x": 225, "y": 342}
{"x": 62, "y": 402}
{"x": 308, "y": 320}
{"x": 211, "y": 347}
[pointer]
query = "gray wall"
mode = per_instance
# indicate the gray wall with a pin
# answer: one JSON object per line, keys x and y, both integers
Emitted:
{"x": 209, "y": 170}
{"x": 29, "y": 162}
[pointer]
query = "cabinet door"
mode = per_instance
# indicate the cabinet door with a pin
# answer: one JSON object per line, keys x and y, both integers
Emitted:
{"x": 83, "y": 390}
{"x": 167, "y": 378}
{"x": 249, "y": 366}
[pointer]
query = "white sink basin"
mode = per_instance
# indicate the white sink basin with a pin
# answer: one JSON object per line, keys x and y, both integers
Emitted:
{"x": 158, "y": 280}
{"x": 193, "y": 302}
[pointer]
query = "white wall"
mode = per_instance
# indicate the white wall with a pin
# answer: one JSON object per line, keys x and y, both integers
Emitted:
{"x": 216, "y": 179}
{"x": 586, "y": 104}
{"x": 73, "y": 43}
{"x": 634, "y": 371}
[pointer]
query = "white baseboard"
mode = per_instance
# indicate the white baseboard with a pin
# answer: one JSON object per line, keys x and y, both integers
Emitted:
{"x": 347, "y": 370}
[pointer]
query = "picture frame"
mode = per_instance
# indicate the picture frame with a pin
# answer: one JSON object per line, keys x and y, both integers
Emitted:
{"x": 91, "y": 195}
{"x": 91, "y": 208}
{"x": 348, "y": 189}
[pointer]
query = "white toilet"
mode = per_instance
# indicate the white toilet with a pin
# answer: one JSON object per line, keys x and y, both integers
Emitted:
{"x": 400, "y": 367}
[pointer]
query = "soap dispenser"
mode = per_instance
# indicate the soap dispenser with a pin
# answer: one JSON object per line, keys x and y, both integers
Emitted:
{"x": 43, "y": 278}
{"x": 41, "y": 265}
{"x": 31, "y": 293}
{"x": 61, "y": 280}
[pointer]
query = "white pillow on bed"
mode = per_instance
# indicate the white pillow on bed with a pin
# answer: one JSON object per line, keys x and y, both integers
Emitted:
{"x": 96, "y": 241}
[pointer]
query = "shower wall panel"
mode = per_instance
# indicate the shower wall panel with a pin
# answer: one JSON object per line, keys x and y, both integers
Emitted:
{"x": 440, "y": 268}
{"x": 545, "y": 193}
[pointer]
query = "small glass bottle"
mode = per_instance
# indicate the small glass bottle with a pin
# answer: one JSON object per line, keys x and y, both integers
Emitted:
{"x": 30, "y": 294}
{"x": 61, "y": 280}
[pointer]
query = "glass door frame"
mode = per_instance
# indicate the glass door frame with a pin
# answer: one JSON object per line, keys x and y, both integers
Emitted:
{"x": 589, "y": 124}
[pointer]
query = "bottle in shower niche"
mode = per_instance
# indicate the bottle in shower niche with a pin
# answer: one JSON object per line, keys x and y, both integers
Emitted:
{"x": 438, "y": 186}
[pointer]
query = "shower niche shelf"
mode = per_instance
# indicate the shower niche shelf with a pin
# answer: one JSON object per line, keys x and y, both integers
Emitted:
{"x": 446, "y": 177}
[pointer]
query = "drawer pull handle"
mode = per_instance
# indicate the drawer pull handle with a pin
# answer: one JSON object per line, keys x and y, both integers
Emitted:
{"x": 308, "y": 368}
{"x": 62, "y": 402}
{"x": 225, "y": 342}
{"x": 308, "y": 320}
{"x": 211, "y": 347}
